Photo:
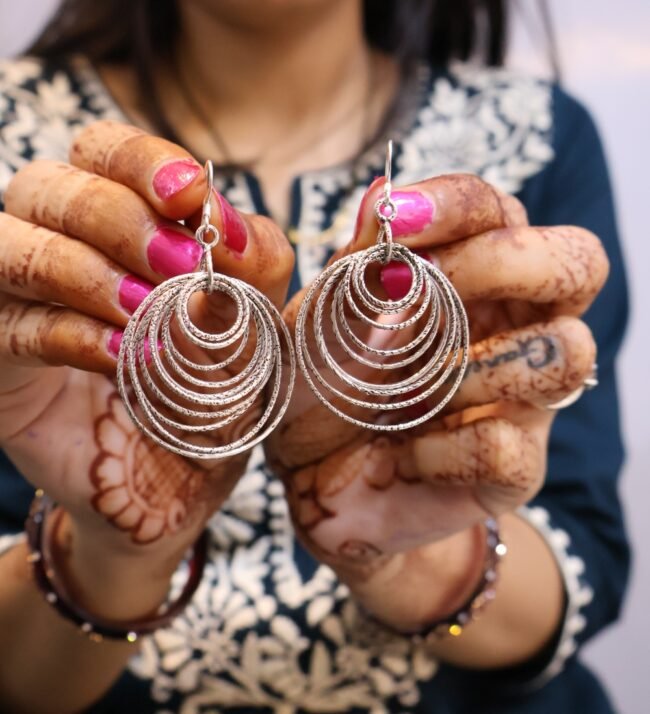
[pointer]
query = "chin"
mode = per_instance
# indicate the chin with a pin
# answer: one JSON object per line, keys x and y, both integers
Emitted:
{"x": 256, "y": 12}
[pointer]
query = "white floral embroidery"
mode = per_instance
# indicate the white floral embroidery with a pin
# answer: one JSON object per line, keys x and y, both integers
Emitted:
{"x": 579, "y": 593}
{"x": 493, "y": 123}
{"x": 259, "y": 633}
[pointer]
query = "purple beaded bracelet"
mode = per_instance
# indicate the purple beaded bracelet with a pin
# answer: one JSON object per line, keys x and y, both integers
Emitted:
{"x": 482, "y": 596}
{"x": 97, "y": 628}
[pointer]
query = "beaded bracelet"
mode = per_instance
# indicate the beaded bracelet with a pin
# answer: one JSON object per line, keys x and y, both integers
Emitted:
{"x": 482, "y": 596}
{"x": 94, "y": 627}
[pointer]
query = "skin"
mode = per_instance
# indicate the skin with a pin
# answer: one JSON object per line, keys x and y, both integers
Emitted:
{"x": 398, "y": 518}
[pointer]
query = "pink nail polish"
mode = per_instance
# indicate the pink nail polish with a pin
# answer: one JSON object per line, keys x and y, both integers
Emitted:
{"x": 171, "y": 252}
{"x": 132, "y": 292}
{"x": 396, "y": 279}
{"x": 234, "y": 229}
{"x": 114, "y": 342}
{"x": 174, "y": 177}
{"x": 414, "y": 212}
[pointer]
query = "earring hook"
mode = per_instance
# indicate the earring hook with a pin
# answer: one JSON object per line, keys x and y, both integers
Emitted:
{"x": 385, "y": 208}
{"x": 209, "y": 179}
{"x": 388, "y": 169}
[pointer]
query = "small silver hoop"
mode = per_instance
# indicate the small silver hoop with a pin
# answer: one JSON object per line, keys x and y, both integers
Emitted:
{"x": 385, "y": 203}
{"x": 200, "y": 236}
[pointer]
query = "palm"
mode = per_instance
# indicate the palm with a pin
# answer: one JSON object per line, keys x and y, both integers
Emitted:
{"x": 75, "y": 440}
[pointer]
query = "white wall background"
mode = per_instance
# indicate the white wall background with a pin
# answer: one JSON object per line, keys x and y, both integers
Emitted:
{"x": 605, "y": 55}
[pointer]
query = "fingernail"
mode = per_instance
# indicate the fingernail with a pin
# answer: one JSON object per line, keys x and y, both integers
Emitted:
{"x": 396, "y": 279}
{"x": 414, "y": 212}
{"x": 173, "y": 253}
{"x": 132, "y": 292}
{"x": 174, "y": 177}
{"x": 115, "y": 340}
{"x": 234, "y": 229}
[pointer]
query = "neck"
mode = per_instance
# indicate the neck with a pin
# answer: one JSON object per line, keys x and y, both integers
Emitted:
{"x": 287, "y": 67}
{"x": 283, "y": 87}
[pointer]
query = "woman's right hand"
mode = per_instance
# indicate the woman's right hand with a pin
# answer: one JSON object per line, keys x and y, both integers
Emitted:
{"x": 81, "y": 244}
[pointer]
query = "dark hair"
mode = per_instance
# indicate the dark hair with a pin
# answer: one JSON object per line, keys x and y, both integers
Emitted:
{"x": 124, "y": 30}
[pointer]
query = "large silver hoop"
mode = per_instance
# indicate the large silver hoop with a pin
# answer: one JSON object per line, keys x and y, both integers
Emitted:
{"x": 183, "y": 404}
{"x": 429, "y": 322}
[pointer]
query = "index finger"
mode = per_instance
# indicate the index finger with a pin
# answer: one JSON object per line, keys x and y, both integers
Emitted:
{"x": 163, "y": 173}
{"x": 435, "y": 211}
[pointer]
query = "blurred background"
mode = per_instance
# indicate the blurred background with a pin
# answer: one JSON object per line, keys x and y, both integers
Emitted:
{"x": 605, "y": 61}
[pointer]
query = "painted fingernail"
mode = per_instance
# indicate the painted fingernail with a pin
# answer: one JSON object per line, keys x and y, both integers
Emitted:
{"x": 414, "y": 212}
{"x": 115, "y": 340}
{"x": 171, "y": 252}
{"x": 396, "y": 279}
{"x": 132, "y": 292}
{"x": 174, "y": 177}
{"x": 235, "y": 236}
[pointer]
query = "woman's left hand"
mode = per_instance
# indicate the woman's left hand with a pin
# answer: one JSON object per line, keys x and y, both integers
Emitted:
{"x": 378, "y": 507}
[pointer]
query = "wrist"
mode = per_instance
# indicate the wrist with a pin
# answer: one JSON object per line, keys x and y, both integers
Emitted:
{"x": 110, "y": 581}
{"x": 426, "y": 584}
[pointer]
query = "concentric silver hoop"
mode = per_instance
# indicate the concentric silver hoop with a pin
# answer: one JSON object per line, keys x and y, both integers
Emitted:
{"x": 182, "y": 386}
{"x": 369, "y": 359}
{"x": 429, "y": 322}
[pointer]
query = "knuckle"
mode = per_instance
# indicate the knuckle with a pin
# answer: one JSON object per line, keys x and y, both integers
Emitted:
{"x": 275, "y": 254}
{"x": 501, "y": 453}
{"x": 581, "y": 264}
{"x": 578, "y": 349}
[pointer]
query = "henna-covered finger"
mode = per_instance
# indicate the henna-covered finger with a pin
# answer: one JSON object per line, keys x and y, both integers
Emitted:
{"x": 121, "y": 223}
{"x": 539, "y": 365}
{"x": 435, "y": 211}
{"x": 38, "y": 264}
{"x": 492, "y": 452}
{"x": 514, "y": 211}
{"x": 563, "y": 267}
{"x": 36, "y": 335}
{"x": 105, "y": 214}
{"x": 163, "y": 173}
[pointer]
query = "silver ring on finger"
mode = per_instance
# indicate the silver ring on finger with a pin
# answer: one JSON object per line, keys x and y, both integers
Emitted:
{"x": 590, "y": 383}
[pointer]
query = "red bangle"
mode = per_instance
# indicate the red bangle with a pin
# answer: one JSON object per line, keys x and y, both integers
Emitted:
{"x": 97, "y": 628}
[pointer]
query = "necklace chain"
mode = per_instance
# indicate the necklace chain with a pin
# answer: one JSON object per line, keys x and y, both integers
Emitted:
{"x": 340, "y": 219}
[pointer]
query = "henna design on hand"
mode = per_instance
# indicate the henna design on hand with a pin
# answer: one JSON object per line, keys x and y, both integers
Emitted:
{"x": 140, "y": 488}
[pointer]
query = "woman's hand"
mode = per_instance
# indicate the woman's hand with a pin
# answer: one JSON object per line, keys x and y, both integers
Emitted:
{"x": 386, "y": 510}
{"x": 81, "y": 245}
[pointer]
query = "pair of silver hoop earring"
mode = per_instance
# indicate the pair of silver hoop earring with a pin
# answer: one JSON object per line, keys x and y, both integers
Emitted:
{"x": 168, "y": 386}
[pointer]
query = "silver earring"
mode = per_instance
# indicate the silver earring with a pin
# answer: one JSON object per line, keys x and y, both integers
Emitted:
{"x": 154, "y": 374}
{"x": 431, "y": 310}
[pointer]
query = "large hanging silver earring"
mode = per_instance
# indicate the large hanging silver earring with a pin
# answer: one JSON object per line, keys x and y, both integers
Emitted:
{"x": 431, "y": 310}
{"x": 166, "y": 385}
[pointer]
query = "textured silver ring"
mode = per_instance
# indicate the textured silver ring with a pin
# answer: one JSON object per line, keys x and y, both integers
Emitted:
{"x": 237, "y": 377}
{"x": 430, "y": 314}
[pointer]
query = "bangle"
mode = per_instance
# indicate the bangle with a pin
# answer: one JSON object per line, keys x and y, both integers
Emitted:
{"x": 483, "y": 595}
{"x": 94, "y": 627}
